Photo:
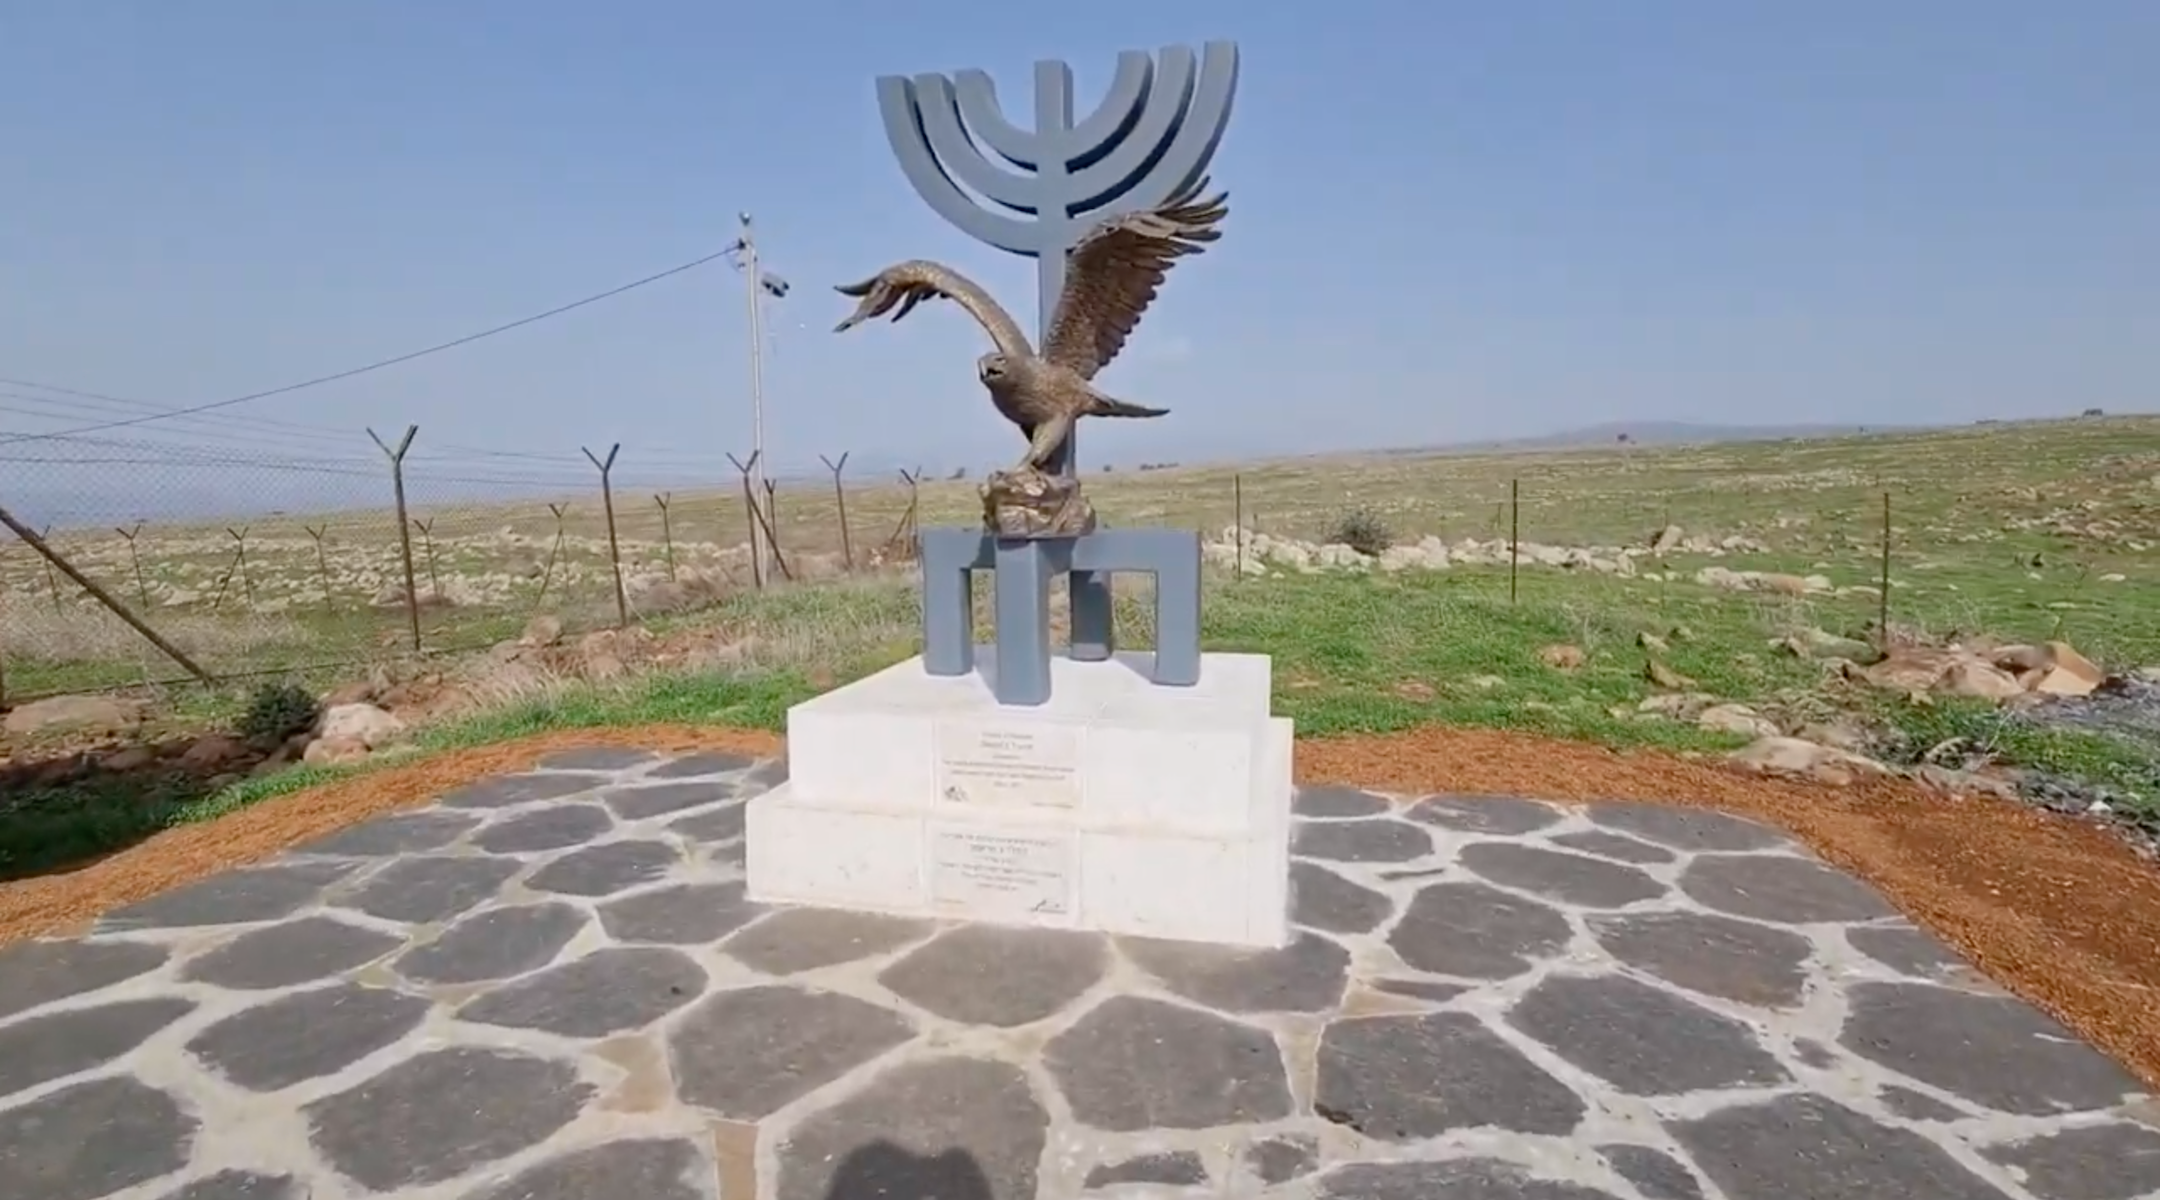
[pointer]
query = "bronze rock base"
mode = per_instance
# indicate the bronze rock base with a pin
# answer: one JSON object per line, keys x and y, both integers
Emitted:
{"x": 1026, "y": 503}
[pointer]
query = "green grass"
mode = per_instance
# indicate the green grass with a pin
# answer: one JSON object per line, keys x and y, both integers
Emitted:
{"x": 45, "y": 828}
{"x": 1353, "y": 653}
{"x": 1971, "y": 507}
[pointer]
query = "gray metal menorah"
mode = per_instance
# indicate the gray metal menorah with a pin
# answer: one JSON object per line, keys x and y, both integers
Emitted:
{"x": 1152, "y": 137}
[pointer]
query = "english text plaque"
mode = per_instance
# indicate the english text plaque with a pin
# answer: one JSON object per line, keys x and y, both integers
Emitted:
{"x": 1009, "y": 763}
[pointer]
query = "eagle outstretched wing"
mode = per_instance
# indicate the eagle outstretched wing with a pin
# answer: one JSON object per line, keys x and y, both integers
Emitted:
{"x": 910, "y": 283}
{"x": 1113, "y": 273}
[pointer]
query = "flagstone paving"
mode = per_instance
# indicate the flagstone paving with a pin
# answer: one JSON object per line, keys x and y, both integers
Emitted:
{"x": 549, "y": 986}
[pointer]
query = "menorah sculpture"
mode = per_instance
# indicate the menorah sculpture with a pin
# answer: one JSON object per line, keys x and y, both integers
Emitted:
{"x": 1117, "y": 804}
{"x": 1111, "y": 200}
{"x": 1113, "y": 275}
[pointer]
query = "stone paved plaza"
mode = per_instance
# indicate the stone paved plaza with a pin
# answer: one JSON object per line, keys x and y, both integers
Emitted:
{"x": 550, "y": 987}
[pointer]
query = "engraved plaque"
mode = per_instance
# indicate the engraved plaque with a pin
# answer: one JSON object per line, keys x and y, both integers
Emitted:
{"x": 1007, "y": 764}
{"x": 1001, "y": 874}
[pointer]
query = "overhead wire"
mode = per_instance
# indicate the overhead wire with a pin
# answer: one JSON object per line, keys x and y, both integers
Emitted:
{"x": 283, "y": 434}
{"x": 378, "y": 364}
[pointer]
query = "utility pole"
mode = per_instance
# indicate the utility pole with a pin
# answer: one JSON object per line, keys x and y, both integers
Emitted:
{"x": 753, "y": 278}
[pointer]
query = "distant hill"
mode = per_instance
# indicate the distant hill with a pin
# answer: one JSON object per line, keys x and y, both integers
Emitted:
{"x": 1662, "y": 433}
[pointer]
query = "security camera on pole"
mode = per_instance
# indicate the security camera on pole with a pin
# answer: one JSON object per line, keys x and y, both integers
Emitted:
{"x": 761, "y": 284}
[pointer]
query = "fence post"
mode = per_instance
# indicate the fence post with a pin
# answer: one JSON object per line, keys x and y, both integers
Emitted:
{"x": 142, "y": 590}
{"x": 905, "y": 528}
{"x": 247, "y": 585}
{"x": 667, "y": 531}
{"x": 52, "y": 582}
{"x": 322, "y": 563}
{"x": 427, "y": 544}
{"x": 225, "y": 577}
{"x": 547, "y": 573}
{"x": 1882, "y": 602}
{"x": 749, "y": 499}
{"x": 52, "y": 558}
{"x": 839, "y": 493}
{"x": 397, "y": 488}
{"x": 607, "y": 508}
{"x": 767, "y": 518}
{"x": 758, "y": 521}
{"x": 1237, "y": 505}
{"x": 1514, "y": 536}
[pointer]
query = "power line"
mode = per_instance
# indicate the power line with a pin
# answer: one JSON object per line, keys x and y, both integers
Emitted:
{"x": 53, "y": 411}
{"x": 382, "y": 363}
{"x": 297, "y": 437}
{"x": 97, "y": 400}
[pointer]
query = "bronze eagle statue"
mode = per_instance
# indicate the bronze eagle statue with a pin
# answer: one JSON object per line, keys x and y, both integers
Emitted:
{"x": 1111, "y": 276}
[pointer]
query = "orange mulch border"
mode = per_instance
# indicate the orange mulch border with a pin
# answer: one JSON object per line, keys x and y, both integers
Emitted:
{"x": 2057, "y": 911}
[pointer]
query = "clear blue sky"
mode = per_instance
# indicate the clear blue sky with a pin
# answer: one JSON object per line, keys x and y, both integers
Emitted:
{"x": 1449, "y": 222}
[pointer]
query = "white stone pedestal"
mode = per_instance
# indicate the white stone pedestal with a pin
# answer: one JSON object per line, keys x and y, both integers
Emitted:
{"x": 1119, "y": 806}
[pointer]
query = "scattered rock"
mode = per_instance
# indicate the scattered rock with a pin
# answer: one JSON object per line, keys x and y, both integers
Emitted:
{"x": 1737, "y": 718}
{"x": 1760, "y": 581}
{"x": 1665, "y": 677}
{"x": 2065, "y": 657}
{"x": 1683, "y": 705}
{"x": 74, "y": 714}
{"x": 1837, "y": 734}
{"x": 2003, "y": 674}
{"x": 333, "y": 752}
{"x": 1909, "y": 669}
{"x": 1793, "y": 756}
{"x": 212, "y": 751}
{"x": 543, "y": 630}
{"x": 1962, "y": 784}
{"x": 363, "y": 724}
{"x": 2020, "y": 659}
{"x": 129, "y": 758}
{"x": 362, "y": 692}
{"x": 1971, "y": 677}
{"x": 2062, "y": 681}
{"x": 1815, "y": 643}
{"x": 1561, "y": 657}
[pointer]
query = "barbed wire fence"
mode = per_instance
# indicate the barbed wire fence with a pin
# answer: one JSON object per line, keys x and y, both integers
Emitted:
{"x": 271, "y": 550}
{"x": 337, "y": 560}
{"x": 139, "y": 561}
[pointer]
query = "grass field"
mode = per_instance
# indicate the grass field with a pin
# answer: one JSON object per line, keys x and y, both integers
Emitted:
{"x": 2025, "y": 532}
{"x": 2017, "y": 528}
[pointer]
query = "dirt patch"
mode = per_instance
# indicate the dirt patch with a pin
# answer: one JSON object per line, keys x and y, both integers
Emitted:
{"x": 2059, "y": 912}
{"x": 64, "y": 901}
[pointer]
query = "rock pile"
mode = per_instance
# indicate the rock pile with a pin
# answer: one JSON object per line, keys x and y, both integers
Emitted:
{"x": 106, "y": 734}
{"x": 1267, "y": 554}
{"x": 2010, "y": 674}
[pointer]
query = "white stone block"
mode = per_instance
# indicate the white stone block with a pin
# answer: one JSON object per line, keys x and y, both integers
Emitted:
{"x": 1109, "y": 744}
{"x": 1119, "y": 806}
{"x": 799, "y": 853}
